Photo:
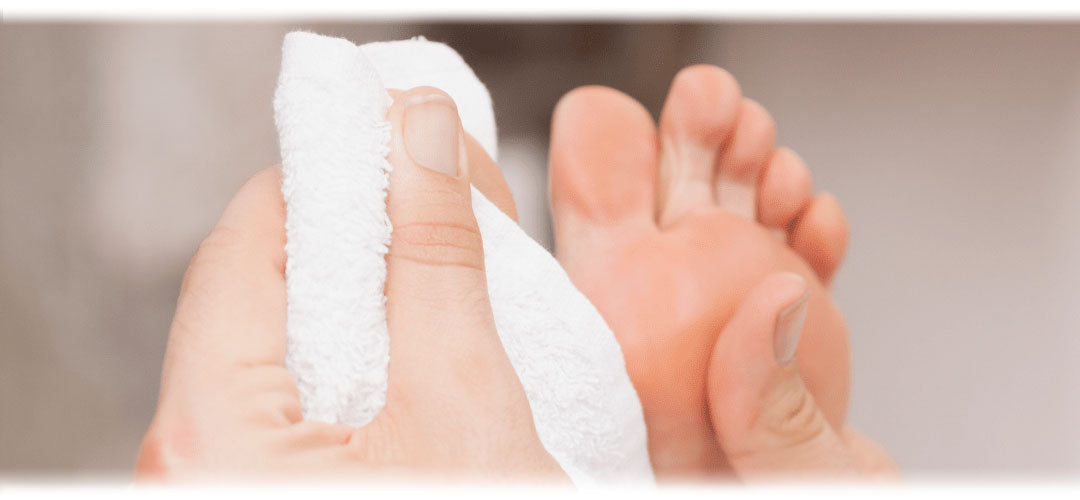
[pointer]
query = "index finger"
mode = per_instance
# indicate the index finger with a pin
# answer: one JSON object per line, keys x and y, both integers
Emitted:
{"x": 232, "y": 306}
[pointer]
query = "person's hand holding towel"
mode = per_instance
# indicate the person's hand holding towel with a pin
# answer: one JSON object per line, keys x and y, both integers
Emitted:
{"x": 228, "y": 406}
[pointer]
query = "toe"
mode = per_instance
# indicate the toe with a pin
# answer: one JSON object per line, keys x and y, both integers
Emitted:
{"x": 820, "y": 235}
{"x": 742, "y": 161}
{"x": 602, "y": 160}
{"x": 785, "y": 190}
{"x": 697, "y": 119}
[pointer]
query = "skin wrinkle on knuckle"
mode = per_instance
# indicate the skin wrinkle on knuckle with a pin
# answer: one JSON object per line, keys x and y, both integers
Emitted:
{"x": 438, "y": 244}
{"x": 790, "y": 417}
{"x": 268, "y": 393}
{"x": 272, "y": 410}
{"x": 270, "y": 377}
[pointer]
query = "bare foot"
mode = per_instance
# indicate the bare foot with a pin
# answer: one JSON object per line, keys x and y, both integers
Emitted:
{"x": 665, "y": 230}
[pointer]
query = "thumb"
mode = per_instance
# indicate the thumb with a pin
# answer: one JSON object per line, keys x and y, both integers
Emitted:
{"x": 766, "y": 420}
{"x": 453, "y": 398}
{"x": 442, "y": 330}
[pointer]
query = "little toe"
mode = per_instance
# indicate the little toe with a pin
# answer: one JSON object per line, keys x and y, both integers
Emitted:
{"x": 697, "y": 120}
{"x": 820, "y": 235}
{"x": 785, "y": 190}
{"x": 742, "y": 161}
{"x": 602, "y": 161}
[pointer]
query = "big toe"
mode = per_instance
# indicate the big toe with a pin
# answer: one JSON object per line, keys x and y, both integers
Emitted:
{"x": 602, "y": 163}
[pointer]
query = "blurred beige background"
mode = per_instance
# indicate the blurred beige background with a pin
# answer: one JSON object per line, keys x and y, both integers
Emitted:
{"x": 955, "y": 148}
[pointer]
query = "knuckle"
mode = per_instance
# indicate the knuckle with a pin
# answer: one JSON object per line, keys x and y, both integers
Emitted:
{"x": 439, "y": 244}
{"x": 790, "y": 416}
{"x": 278, "y": 396}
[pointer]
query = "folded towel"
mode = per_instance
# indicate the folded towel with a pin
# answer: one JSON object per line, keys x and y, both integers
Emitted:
{"x": 330, "y": 110}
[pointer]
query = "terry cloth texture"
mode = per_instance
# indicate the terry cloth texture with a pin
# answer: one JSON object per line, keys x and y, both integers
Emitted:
{"x": 330, "y": 109}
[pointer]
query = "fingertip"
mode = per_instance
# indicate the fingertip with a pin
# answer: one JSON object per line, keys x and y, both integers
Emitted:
{"x": 429, "y": 198}
{"x": 428, "y": 133}
{"x": 747, "y": 353}
{"x": 473, "y": 162}
{"x": 765, "y": 418}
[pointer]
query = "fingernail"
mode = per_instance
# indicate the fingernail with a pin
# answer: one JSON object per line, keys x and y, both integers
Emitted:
{"x": 431, "y": 133}
{"x": 789, "y": 329}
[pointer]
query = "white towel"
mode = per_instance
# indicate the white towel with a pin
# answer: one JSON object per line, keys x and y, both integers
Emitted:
{"x": 330, "y": 110}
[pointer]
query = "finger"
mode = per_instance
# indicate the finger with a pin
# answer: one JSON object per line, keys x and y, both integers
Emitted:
{"x": 438, "y": 312}
{"x": 226, "y": 351}
{"x": 484, "y": 173}
{"x": 767, "y": 422}
{"x": 231, "y": 310}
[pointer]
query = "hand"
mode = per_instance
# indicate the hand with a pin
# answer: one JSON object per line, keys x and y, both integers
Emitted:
{"x": 229, "y": 408}
{"x": 766, "y": 421}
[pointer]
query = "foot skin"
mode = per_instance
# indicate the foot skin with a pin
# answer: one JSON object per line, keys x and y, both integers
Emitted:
{"x": 666, "y": 228}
